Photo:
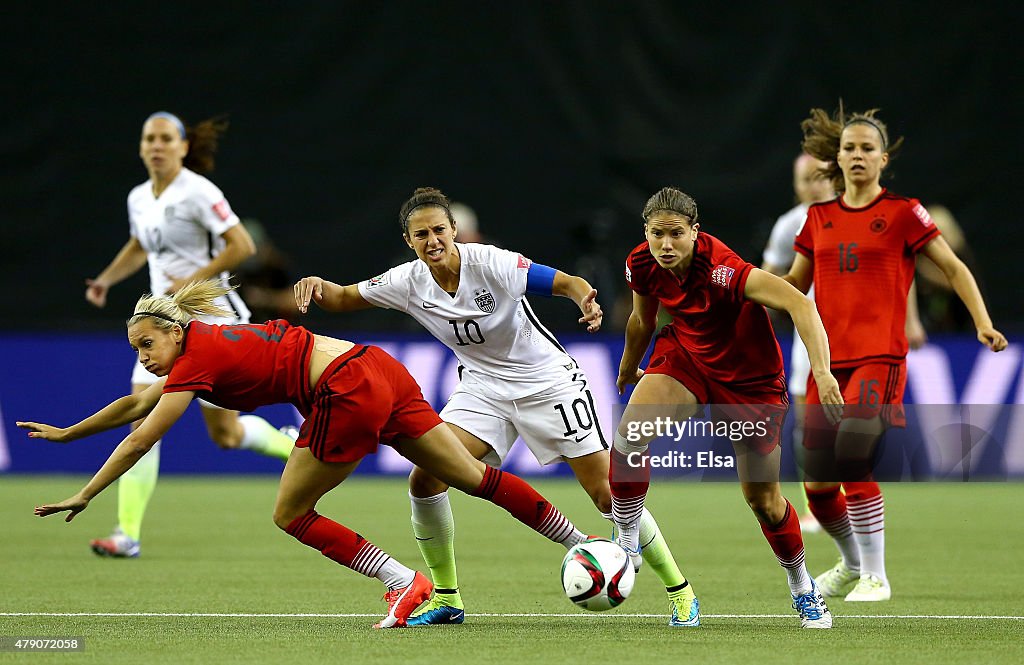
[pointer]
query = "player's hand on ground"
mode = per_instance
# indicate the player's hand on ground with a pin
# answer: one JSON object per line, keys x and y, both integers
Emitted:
{"x": 628, "y": 378}
{"x": 592, "y": 314}
{"x": 44, "y": 431}
{"x": 992, "y": 338}
{"x": 73, "y": 505}
{"x": 308, "y": 289}
{"x": 96, "y": 292}
{"x": 830, "y": 396}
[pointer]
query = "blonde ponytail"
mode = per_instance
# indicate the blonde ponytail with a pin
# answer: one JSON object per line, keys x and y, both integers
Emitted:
{"x": 192, "y": 300}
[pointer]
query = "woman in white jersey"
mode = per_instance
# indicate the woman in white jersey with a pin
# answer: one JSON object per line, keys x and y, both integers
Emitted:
{"x": 184, "y": 228}
{"x": 515, "y": 380}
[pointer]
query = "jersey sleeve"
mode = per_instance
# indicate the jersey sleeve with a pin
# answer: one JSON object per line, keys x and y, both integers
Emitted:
{"x": 510, "y": 269}
{"x": 191, "y": 372}
{"x": 917, "y": 227}
{"x": 389, "y": 290}
{"x": 804, "y": 242}
{"x": 213, "y": 209}
{"x": 636, "y": 274}
{"x": 730, "y": 272}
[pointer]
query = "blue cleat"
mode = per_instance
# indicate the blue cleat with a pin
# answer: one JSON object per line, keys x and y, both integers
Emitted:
{"x": 436, "y": 613}
{"x": 685, "y": 610}
{"x": 812, "y": 609}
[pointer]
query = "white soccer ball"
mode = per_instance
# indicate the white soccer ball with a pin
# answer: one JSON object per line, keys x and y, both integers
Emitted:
{"x": 597, "y": 574}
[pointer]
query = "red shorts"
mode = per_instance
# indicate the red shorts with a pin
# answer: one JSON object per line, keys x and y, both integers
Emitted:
{"x": 363, "y": 398}
{"x": 755, "y": 401}
{"x": 868, "y": 391}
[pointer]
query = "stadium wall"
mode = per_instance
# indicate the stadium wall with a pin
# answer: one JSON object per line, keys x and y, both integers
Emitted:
{"x": 61, "y": 378}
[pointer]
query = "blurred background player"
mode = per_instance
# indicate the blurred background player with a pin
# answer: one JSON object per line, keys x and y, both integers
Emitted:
{"x": 515, "y": 380}
{"x": 354, "y": 398}
{"x": 719, "y": 350}
{"x": 859, "y": 251}
{"x": 810, "y": 186}
{"x": 184, "y": 228}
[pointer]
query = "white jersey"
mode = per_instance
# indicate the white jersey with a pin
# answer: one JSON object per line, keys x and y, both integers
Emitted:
{"x": 502, "y": 346}
{"x": 181, "y": 231}
{"x": 780, "y": 253}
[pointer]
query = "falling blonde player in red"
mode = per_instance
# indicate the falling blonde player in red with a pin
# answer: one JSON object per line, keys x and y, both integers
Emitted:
{"x": 859, "y": 252}
{"x": 352, "y": 396}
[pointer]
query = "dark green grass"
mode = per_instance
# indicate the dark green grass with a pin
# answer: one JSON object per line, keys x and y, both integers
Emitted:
{"x": 209, "y": 547}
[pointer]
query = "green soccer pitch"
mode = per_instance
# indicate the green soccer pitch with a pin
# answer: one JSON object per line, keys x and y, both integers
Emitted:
{"x": 217, "y": 582}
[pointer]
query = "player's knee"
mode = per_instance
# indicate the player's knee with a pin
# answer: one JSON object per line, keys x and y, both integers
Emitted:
{"x": 285, "y": 515}
{"x": 423, "y": 484}
{"x": 763, "y": 506}
{"x": 602, "y": 499}
{"x": 227, "y": 436}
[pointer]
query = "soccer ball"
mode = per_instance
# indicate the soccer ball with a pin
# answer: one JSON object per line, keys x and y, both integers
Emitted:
{"x": 597, "y": 574}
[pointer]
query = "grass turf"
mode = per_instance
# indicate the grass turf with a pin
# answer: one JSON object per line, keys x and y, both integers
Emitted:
{"x": 209, "y": 547}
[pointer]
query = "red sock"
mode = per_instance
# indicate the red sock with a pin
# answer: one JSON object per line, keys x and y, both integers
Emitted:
{"x": 629, "y": 485}
{"x": 525, "y": 504}
{"x": 829, "y": 507}
{"x": 786, "y": 540}
{"x": 338, "y": 543}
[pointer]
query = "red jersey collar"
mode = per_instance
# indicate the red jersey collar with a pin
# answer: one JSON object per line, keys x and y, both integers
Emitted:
{"x": 865, "y": 207}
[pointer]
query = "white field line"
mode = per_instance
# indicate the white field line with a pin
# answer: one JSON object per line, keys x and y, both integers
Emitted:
{"x": 964, "y": 617}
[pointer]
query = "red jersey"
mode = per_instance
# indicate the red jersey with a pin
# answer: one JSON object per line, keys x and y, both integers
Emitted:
{"x": 863, "y": 266}
{"x": 729, "y": 337}
{"x": 242, "y": 367}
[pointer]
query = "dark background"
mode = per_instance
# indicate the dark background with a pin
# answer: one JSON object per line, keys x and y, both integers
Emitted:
{"x": 555, "y": 121}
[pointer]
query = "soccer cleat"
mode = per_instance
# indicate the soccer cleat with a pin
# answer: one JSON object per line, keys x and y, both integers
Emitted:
{"x": 870, "y": 589}
{"x": 118, "y": 546}
{"x": 837, "y": 580}
{"x": 812, "y": 609}
{"x": 437, "y": 613}
{"x": 290, "y": 431}
{"x": 629, "y": 540}
{"x": 685, "y": 609}
{"x": 809, "y": 523}
{"x": 402, "y": 602}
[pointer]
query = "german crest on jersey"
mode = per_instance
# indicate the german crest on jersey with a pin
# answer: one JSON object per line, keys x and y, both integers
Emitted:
{"x": 484, "y": 300}
{"x": 722, "y": 275}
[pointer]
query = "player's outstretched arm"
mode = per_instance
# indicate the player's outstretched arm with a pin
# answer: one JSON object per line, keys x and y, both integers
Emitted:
{"x": 119, "y": 412}
{"x": 168, "y": 409}
{"x": 328, "y": 295}
{"x": 583, "y": 294}
{"x": 771, "y": 291}
{"x": 962, "y": 281}
{"x": 639, "y": 329}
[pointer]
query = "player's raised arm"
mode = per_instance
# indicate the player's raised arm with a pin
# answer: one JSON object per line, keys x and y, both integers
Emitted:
{"x": 583, "y": 294}
{"x": 771, "y": 291}
{"x": 328, "y": 295}
{"x": 168, "y": 409}
{"x": 119, "y": 412}
{"x": 639, "y": 329}
{"x": 963, "y": 282}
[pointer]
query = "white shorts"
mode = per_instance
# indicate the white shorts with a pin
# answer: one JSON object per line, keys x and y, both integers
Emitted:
{"x": 799, "y": 368}
{"x": 557, "y": 423}
{"x": 142, "y": 376}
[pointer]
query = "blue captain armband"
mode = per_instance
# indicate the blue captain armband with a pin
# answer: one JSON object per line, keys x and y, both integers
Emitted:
{"x": 540, "y": 280}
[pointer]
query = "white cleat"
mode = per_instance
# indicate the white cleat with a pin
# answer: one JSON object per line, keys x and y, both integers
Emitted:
{"x": 870, "y": 589}
{"x": 837, "y": 580}
{"x": 812, "y": 609}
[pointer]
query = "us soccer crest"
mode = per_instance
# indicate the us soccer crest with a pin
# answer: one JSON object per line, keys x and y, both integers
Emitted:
{"x": 484, "y": 300}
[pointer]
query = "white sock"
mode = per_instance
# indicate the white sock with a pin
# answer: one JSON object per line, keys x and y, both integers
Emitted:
{"x": 394, "y": 575}
{"x": 868, "y": 521}
{"x": 261, "y": 437}
{"x": 799, "y": 580}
